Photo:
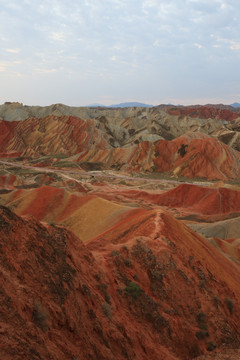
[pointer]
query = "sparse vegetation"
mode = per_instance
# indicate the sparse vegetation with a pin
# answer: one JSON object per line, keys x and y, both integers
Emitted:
{"x": 230, "y": 305}
{"x": 103, "y": 289}
{"x": 202, "y": 334}
{"x": 128, "y": 262}
{"x": 211, "y": 346}
{"x": 40, "y": 316}
{"x": 107, "y": 298}
{"x": 106, "y": 307}
{"x": 133, "y": 290}
{"x": 114, "y": 253}
{"x": 216, "y": 301}
{"x": 202, "y": 321}
{"x": 63, "y": 164}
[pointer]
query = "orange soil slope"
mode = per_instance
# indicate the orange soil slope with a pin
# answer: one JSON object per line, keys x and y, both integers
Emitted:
{"x": 150, "y": 289}
{"x": 52, "y": 300}
{"x": 6, "y": 132}
{"x": 181, "y": 276}
{"x": 205, "y": 157}
{"x": 6, "y": 135}
{"x": 208, "y": 201}
{"x": 50, "y": 135}
{"x": 86, "y": 215}
{"x": 203, "y": 200}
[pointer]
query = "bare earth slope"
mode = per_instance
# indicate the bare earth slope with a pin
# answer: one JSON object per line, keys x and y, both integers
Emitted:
{"x": 125, "y": 125}
{"x": 192, "y": 155}
{"x": 120, "y": 235}
{"x": 154, "y": 289}
{"x": 75, "y": 211}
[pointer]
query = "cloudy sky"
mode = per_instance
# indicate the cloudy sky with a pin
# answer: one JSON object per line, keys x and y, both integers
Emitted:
{"x": 79, "y": 52}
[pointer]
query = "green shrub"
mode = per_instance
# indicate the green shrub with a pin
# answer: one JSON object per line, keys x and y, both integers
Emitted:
{"x": 133, "y": 290}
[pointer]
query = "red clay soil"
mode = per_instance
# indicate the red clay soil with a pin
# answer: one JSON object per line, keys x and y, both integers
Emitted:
{"x": 6, "y": 132}
{"x": 191, "y": 155}
{"x": 203, "y": 200}
{"x": 203, "y": 112}
{"x": 46, "y": 200}
{"x": 233, "y": 354}
{"x": 150, "y": 289}
{"x": 55, "y": 303}
{"x": 50, "y": 135}
{"x": 7, "y": 129}
{"x": 184, "y": 287}
{"x": 191, "y": 198}
{"x": 9, "y": 181}
{"x": 204, "y": 157}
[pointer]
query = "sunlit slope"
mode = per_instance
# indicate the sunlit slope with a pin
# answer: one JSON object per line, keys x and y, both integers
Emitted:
{"x": 86, "y": 215}
{"x": 92, "y": 141}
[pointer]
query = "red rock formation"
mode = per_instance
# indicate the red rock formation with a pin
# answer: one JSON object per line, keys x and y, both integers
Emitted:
{"x": 9, "y": 181}
{"x": 50, "y": 135}
{"x": 180, "y": 276}
{"x": 207, "y": 202}
{"x": 191, "y": 155}
{"x": 203, "y": 112}
{"x": 6, "y": 132}
{"x": 150, "y": 289}
{"x": 51, "y": 301}
{"x": 204, "y": 200}
{"x": 204, "y": 157}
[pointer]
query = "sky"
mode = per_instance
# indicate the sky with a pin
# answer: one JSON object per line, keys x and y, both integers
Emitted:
{"x": 79, "y": 52}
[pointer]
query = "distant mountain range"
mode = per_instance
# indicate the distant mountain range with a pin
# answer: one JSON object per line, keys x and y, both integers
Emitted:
{"x": 122, "y": 105}
{"x": 138, "y": 104}
{"x": 236, "y": 104}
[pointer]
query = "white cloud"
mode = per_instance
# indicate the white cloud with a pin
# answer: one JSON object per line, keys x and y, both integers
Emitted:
{"x": 45, "y": 71}
{"x": 118, "y": 37}
{"x": 13, "y": 51}
{"x": 58, "y": 36}
{"x": 235, "y": 46}
{"x": 19, "y": 74}
{"x": 199, "y": 46}
{"x": 223, "y": 6}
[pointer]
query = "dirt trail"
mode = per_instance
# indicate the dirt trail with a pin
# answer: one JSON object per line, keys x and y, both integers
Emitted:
{"x": 66, "y": 174}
